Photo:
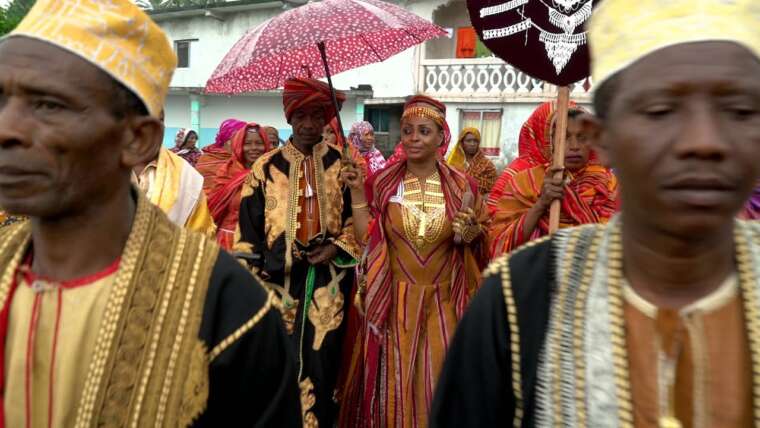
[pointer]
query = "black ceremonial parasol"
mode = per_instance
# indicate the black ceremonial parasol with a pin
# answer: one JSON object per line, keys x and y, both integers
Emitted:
{"x": 545, "y": 39}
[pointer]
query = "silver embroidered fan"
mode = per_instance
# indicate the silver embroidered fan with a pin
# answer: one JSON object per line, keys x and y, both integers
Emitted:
{"x": 566, "y": 15}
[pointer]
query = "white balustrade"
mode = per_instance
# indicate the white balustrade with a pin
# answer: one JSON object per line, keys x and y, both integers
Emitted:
{"x": 486, "y": 78}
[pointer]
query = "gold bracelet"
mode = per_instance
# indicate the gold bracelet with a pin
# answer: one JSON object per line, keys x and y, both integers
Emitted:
{"x": 360, "y": 206}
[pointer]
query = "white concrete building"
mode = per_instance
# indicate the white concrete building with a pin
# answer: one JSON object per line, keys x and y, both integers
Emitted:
{"x": 483, "y": 91}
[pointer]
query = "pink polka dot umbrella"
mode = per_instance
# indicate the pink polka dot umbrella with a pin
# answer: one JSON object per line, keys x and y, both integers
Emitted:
{"x": 354, "y": 33}
{"x": 316, "y": 39}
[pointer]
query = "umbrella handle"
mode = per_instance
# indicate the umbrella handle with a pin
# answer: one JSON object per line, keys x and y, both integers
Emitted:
{"x": 323, "y": 53}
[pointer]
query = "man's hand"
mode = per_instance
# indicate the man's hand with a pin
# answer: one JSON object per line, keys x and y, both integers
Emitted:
{"x": 322, "y": 254}
{"x": 352, "y": 176}
{"x": 553, "y": 188}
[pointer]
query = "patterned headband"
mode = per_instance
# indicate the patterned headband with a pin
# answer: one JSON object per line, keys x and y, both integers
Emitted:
{"x": 425, "y": 113}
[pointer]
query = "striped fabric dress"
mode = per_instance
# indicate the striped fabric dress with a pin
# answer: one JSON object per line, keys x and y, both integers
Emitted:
{"x": 421, "y": 323}
{"x": 418, "y": 287}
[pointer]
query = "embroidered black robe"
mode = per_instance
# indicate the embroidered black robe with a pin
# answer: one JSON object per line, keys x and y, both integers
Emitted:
{"x": 273, "y": 198}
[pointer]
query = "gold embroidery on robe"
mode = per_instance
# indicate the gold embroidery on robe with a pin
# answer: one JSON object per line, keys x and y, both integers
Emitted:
{"x": 308, "y": 400}
{"x": 325, "y": 312}
{"x": 146, "y": 368}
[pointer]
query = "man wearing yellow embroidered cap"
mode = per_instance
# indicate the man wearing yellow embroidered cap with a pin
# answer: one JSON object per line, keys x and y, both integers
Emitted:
{"x": 109, "y": 313}
{"x": 650, "y": 320}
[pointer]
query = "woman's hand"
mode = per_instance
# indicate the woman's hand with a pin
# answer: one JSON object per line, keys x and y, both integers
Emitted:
{"x": 553, "y": 188}
{"x": 466, "y": 226}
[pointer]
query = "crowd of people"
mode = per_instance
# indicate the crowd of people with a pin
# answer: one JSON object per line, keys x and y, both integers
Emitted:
{"x": 313, "y": 282}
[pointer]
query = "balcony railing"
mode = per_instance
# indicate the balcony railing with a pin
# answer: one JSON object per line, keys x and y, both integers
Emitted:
{"x": 486, "y": 78}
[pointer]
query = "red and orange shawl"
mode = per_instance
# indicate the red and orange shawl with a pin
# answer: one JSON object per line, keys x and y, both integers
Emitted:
{"x": 534, "y": 147}
{"x": 224, "y": 198}
{"x": 215, "y": 155}
{"x": 467, "y": 263}
{"x": 590, "y": 197}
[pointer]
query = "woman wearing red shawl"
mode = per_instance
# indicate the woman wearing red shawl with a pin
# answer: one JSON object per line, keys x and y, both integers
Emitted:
{"x": 217, "y": 154}
{"x": 248, "y": 144}
{"x": 425, "y": 249}
{"x": 534, "y": 148}
{"x": 588, "y": 194}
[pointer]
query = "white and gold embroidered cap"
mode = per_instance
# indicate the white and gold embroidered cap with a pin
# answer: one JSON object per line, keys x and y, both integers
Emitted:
{"x": 624, "y": 31}
{"x": 115, "y": 35}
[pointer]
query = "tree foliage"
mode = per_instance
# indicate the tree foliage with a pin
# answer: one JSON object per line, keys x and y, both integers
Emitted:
{"x": 13, "y": 13}
{"x": 16, "y": 10}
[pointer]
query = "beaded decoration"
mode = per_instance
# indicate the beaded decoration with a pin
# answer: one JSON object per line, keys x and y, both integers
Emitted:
{"x": 424, "y": 213}
{"x": 426, "y": 113}
{"x": 565, "y": 15}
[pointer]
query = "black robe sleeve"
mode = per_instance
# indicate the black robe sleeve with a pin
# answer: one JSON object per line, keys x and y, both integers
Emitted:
{"x": 251, "y": 222}
{"x": 253, "y": 381}
{"x": 475, "y": 388}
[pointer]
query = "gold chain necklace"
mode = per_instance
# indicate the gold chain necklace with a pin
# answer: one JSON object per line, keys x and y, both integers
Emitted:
{"x": 615, "y": 280}
{"x": 424, "y": 213}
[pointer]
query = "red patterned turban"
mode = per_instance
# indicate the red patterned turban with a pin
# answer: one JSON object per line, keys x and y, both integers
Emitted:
{"x": 301, "y": 92}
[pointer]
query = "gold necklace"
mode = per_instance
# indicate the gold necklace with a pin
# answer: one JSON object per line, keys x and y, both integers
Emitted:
{"x": 423, "y": 213}
{"x": 747, "y": 282}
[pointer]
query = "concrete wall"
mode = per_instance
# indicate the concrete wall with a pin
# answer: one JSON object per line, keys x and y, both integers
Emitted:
{"x": 215, "y": 38}
{"x": 450, "y": 16}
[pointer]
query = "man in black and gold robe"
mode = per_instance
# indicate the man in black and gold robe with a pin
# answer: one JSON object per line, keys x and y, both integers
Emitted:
{"x": 652, "y": 320}
{"x": 297, "y": 232}
{"x": 110, "y": 315}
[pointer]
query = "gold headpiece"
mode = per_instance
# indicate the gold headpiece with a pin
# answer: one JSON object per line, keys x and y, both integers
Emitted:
{"x": 624, "y": 31}
{"x": 115, "y": 35}
{"x": 426, "y": 113}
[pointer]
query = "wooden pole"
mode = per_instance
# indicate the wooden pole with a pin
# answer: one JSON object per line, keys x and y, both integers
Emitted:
{"x": 560, "y": 137}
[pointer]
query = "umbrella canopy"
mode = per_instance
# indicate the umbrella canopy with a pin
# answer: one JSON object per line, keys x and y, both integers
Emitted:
{"x": 354, "y": 33}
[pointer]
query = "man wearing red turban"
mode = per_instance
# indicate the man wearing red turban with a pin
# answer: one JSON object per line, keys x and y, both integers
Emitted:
{"x": 296, "y": 231}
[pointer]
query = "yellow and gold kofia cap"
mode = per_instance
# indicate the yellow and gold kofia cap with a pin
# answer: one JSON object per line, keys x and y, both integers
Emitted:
{"x": 115, "y": 35}
{"x": 624, "y": 31}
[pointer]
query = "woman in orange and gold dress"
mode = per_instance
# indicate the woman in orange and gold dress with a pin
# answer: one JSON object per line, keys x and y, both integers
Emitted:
{"x": 424, "y": 221}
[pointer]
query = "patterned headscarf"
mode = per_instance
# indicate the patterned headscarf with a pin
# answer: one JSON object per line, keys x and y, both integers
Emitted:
{"x": 186, "y": 136}
{"x": 238, "y": 140}
{"x": 228, "y": 128}
{"x": 358, "y": 129}
{"x": 535, "y": 145}
{"x": 301, "y": 92}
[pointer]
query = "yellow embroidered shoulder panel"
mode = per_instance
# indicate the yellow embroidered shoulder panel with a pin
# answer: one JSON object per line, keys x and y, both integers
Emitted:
{"x": 148, "y": 367}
